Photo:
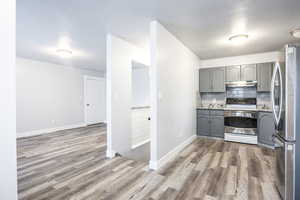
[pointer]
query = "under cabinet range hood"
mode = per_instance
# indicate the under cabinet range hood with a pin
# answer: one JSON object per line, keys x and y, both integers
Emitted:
{"x": 241, "y": 83}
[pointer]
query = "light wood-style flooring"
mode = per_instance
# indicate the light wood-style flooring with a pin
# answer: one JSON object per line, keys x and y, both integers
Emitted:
{"x": 71, "y": 164}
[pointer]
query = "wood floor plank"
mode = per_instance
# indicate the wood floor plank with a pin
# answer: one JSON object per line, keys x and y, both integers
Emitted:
{"x": 72, "y": 164}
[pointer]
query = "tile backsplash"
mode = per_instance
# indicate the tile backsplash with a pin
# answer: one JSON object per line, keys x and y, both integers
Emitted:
{"x": 263, "y": 98}
{"x": 212, "y": 98}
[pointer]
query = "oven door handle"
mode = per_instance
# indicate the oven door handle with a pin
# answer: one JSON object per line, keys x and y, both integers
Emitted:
{"x": 241, "y": 114}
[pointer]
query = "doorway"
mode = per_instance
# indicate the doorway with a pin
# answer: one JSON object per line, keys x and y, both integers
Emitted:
{"x": 94, "y": 100}
{"x": 140, "y": 113}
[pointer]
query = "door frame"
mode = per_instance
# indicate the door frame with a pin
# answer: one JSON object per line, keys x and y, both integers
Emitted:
{"x": 85, "y": 79}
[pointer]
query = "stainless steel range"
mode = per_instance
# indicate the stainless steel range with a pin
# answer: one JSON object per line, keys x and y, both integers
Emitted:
{"x": 240, "y": 116}
{"x": 240, "y": 126}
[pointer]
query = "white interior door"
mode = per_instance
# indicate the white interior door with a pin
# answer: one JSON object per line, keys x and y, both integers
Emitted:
{"x": 95, "y": 100}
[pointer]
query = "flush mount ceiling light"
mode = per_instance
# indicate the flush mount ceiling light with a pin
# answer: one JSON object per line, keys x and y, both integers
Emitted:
{"x": 296, "y": 33}
{"x": 64, "y": 53}
{"x": 239, "y": 39}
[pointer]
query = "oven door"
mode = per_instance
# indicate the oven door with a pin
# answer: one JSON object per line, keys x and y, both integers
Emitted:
{"x": 240, "y": 122}
{"x": 285, "y": 167}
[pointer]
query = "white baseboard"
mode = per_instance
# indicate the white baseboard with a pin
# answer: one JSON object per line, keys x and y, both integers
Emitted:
{"x": 140, "y": 144}
{"x": 155, "y": 165}
{"x": 110, "y": 154}
{"x": 48, "y": 130}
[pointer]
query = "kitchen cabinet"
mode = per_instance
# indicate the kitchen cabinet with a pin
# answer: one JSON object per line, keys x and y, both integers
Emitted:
{"x": 241, "y": 73}
{"x": 217, "y": 126}
{"x": 204, "y": 80}
{"x": 248, "y": 72}
{"x": 210, "y": 123}
{"x": 266, "y": 128}
{"x": 218, "y": 79}
{"x": 233, "y": 73}
{"x": 203, "y": 125}
{"x": 264, "y": 77}
{"x": 212, "y": 80}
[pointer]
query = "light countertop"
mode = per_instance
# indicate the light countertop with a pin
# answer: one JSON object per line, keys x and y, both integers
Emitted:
{"x": 258, "y": 109}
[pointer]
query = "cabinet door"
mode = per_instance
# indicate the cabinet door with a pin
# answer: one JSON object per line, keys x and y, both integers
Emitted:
{"x": 233, "y": 73}
{"x": 248, "y": 72}
{"x": 217, "y": 126}
{"x": 218, "y": 79}
{"x": 264, "y": 76}
{"x": 266, "y": 128}
{"x": 203, "y": 125}
{"x": 204, "y": 80}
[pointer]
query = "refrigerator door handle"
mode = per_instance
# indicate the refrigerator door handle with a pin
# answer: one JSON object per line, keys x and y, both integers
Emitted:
{"x": 281, "y": 94}
{"x": 273, "y": 92}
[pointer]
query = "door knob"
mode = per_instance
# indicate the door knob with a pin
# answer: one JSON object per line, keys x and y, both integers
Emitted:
{"x": 87, "y": 104}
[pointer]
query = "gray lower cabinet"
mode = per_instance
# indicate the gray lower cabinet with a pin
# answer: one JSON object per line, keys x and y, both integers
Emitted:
{"x": 217, "y": 126}
{"x": 203, "y": 125}
{"x": 233, "y": 73}
{"x": 212, "y": 80}
{"x": 266, "y": 128}
{"x": 264, "y": 77}
{"x": 210, "y": 123}
{"x": 248, "y": 72}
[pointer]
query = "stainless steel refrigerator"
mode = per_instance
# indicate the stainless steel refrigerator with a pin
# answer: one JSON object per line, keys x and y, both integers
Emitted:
{"x": 285, "y": 95}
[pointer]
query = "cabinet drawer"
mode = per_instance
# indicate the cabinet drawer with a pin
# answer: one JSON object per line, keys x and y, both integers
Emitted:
{"x": 202, "y": 112}
{"x": 217, "y": 112}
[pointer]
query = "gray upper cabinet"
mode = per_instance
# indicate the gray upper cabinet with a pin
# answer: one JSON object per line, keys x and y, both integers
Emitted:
{"x": 248, "y": 72}
{"x": 212, "y": 80}
{"x": 204, "y": 80}
{"x": 264, "y": 76}
{"x": 233, "y": 73}
{"x": 266, "y": 128}
{"x": 241, "y": 73}
{"x": 218, "y": 79}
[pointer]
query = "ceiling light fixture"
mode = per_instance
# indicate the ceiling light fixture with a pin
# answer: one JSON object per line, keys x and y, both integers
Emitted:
{"x": 296, "y": 33}
{"x": 64, "y": 53}
{"x": 239, "y": 39}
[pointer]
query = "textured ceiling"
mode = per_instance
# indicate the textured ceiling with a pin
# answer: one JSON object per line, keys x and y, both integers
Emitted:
{"x": 202, "y": 25}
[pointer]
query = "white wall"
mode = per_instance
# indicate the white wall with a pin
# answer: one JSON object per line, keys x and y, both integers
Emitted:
{"x": 174, "y": 70}
{"x": 239, "y": 60}
{"x": 49, "y": 96}
{"x": 140, "y": 87}
{"x": 8, "y": 171}
{"x": 140, "y": 126}
{"x": 120, "y": 55}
